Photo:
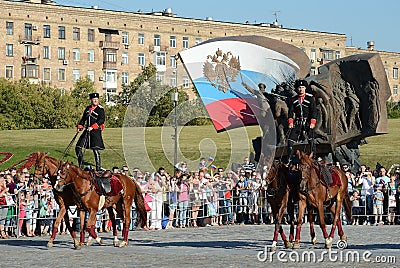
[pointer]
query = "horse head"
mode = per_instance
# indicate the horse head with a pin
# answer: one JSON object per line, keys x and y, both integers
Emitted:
{"x": 271, "y": 175}
{"x": 63, "y": 177}
{"x": 305, "y": 167}
{"x": 41, "y": 168}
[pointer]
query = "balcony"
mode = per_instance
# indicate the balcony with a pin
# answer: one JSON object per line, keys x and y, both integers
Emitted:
{"x": 29, "y": 60}
{"x": 29, "y": 39}
{"x": 153, "y": 48}
{"x": 109, "y": 44}
{"x": 109, "y": 65}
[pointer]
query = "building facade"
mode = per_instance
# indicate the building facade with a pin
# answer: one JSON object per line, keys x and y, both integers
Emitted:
{"x": 48, "y": 43}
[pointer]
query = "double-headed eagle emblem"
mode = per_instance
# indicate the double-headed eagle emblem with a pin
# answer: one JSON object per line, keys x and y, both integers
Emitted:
{"x": 221, "y": 69}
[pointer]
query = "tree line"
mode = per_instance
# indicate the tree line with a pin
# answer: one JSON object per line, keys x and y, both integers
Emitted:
{"x": 143, "y": 102}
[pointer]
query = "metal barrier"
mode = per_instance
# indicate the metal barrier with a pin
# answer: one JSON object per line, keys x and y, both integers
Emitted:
{"x": 34, "y": 211}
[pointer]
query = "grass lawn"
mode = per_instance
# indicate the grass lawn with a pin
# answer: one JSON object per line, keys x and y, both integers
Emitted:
{"x": 226, "y": 147}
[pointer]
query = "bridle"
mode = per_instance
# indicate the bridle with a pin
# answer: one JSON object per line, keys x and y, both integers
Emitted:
{"x": 61, "y": 178}
{"x": 272, "y": 192}
{"x": 305, "y": 180}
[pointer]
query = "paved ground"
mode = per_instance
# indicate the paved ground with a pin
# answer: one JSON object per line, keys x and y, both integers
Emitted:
{"x": 227, "y": 246}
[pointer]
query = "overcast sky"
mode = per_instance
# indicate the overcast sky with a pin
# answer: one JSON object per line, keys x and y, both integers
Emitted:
{"x": 361, "y": 21}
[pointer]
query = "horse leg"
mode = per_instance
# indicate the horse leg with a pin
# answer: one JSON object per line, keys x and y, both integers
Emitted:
{"x": 70, "y": 230}
{"x": 56, "y": 225}
{"x": 127, "y": 220}
{"x": 82, "y": 216}
{"x": 302, "y": 207}
{"x": 290, "y": 209}
{"x": 91, "y": 226}
{"x": 310, "y": 217}
{"x": 111, "y": 214}
{"x": 336, "y": 218}
{"x": 321, "y": 216}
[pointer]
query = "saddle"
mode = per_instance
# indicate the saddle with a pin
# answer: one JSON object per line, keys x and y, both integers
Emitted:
{"x": 102, "y": 179}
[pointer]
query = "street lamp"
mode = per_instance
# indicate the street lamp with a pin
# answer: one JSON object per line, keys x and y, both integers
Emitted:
{"x": 174, "y": 98}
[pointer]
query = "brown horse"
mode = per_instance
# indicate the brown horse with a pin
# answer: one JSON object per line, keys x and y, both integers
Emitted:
{"x": 313, "y": 191}
{"x": 281, "y": 193}
{"x": 84, "y": 186}
{"x": 48, "y": 165}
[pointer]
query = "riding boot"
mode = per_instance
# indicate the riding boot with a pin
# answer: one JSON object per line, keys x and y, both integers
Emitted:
{"x": 79, "y": 155}
{"x": 97, "y": 159}
{"x": 289, "y": 154}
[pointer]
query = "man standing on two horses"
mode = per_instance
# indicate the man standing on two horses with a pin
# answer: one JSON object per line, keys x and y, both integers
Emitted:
{"x": 93, "y": 119}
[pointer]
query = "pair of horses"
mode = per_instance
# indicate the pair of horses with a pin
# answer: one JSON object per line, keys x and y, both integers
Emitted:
{"x": 74, "y": 187}
{"x": 305, "y": 186}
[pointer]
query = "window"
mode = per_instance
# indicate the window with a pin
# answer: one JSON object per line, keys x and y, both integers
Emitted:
{"x": 395, "y": 89}
{"x": 9, "y": 71}
{"x": 76, "y": 74}
{"x": 395, "y": 73}
{"x": 172, "y": 81}
{"x": 28, "y": 50}
{"x": 125, "y": 38}
{"x": 172, "y": 62}
{"x": 46, "y": 74}
{"x": 28, "y": 31}
{"x": 111, "y": 76}
{"x": 107, "y": 37}
{"x": 61, "y": 32}
{"x": 91, "y": 55}
{"x": 109, "y": 94}
{"x": 313, "y": 54}
{"x": 337, "y": 54}
{"x": 172, "y": 41}
{"x": 61, "y": 53}
{"x": 46, "y": 31}
{"x": 61, "y": 74}
{"x": 186, "y": 82}
{"x": 140, "y": 38}
{"x": 29, "y": 71}
{"x": 76, "y": 52}
{"x": 157, "y": 40}
{"x": 9, "y": 27}
{"x": 312, "y": 71}
{"x": 110, "y": 56}
{"x": 76, "y": 34}
{"x": 90, "y": 36}
{"x": 160, "y": 59}
{"x": 160, "y": 78}
{"x": 124, "y": 58}
{"x": 124, "y": 78}
{"x": 46, "y": 52}
{"x": 9, "y": 50}
{"x": 327, "y": 54}
{"x": 141, "y": 59}
{"x": 197, "y": 41}
{"x": 185, "y": 42}
{"x": 90, "y": 74}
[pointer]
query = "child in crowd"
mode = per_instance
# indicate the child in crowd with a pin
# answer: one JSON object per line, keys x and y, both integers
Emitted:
{"x": 357, "y": 210}
{"x": 378, "y": 198}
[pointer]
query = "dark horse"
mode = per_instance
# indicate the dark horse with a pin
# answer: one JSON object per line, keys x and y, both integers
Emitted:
{"x": 84, "y": 186}
{"x": 281, "y": 193}
{"x": 313, "y": 191}
{"x": 49, "y": 165}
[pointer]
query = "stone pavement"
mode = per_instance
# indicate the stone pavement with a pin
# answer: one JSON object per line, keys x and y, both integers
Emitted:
{"x": 225, "y": 246}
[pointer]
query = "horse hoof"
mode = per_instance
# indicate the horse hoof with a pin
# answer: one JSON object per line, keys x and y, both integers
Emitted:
{"x": 123, "y": 244}
{"x": 273, "y": 248}
{"x": 296, "y": 245}
{"x": 116, "y": 243}
{"x": 50, "y": 244}
{"x": 343, "y": 238}
{"x": 288, "y": 244}
{"x": 328, "y": 243}
{"x": 78, "y": 246}
{"x": 99, "y": 241}
{"x": 314, "y": 241}
{"x": 89, "y": 242}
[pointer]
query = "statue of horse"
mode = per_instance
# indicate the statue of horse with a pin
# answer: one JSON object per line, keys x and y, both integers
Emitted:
{"x": 281, "y": 193}
{"x": 84, "y": 186}
{"x": 313, "y": 191}
{"x": 49, "y": 165}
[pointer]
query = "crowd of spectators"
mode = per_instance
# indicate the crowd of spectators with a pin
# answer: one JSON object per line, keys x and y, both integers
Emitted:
{"x": 207, "y": 196}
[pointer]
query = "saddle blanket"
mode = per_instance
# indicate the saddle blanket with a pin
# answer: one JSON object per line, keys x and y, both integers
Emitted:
{"x": 116, "y": 187}
{"x": 335, "y": 179}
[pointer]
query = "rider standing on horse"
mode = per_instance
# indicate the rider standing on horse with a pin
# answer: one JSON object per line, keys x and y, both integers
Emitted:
{"x": 302, "y": 118}
{"x": 93, "y": 121}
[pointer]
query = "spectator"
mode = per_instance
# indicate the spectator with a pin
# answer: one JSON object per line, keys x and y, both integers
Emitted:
{"x": 247, "y": 165}
{"x": 22, "y": 212}
{"x": 378, "y": 204}
{"x": 392, "y": 199}
{"x": 172, "y": 197}
{"x": 367, "y": 191}
{"x": 194, "y": 196}
{"x": 242, "y": 192}
{"x": 356, "y": 209}
{"x": 183, "y": 200}
{"x": 115, "y": 170}
{"x": 3, "y": 207}
{"x": 11, "y": 212}
{"x": 155, "y": 188}
{"x": 30, "y": 205}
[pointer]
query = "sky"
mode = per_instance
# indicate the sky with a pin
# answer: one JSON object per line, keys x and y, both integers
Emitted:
{"x": 361, "y": 21}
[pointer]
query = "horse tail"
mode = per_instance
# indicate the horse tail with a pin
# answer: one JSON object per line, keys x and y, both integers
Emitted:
{"x": 347, "y": 207}
{"x": 140, "y": 206}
